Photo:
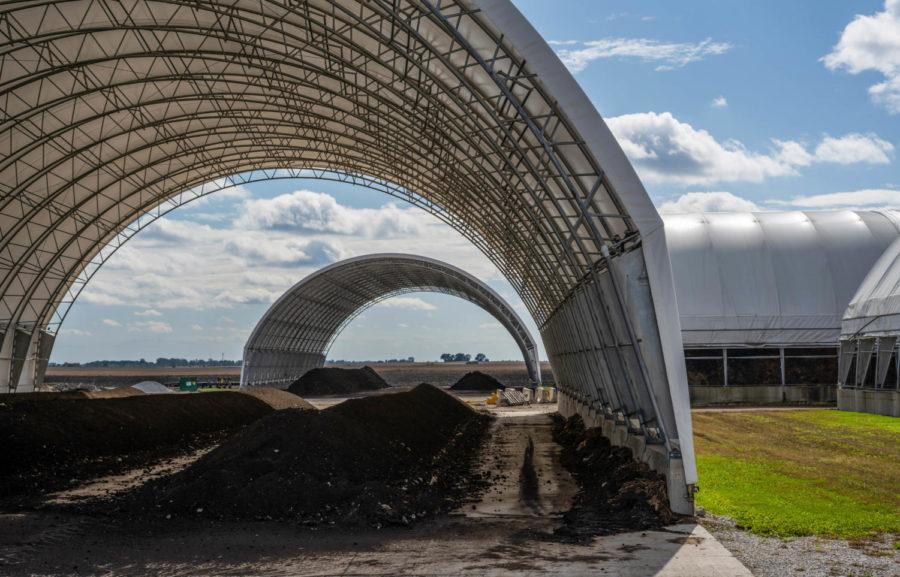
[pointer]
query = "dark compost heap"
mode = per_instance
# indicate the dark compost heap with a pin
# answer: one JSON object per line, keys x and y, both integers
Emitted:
{"x": 335, "y": 381}
{"x": 50, "y": 441}
{"x": 616, "y": 492}
{"x": 387, "y": 459}
{"x": 477, "y": 381}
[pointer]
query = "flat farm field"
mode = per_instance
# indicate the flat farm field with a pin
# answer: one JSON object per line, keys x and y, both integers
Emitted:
{"x": 397, "y": 374}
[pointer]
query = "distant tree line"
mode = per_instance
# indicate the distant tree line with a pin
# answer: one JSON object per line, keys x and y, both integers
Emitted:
{"x": 160, "y": 362}
{"x": 463, "y": 357}
{"x": 393, "y": 361}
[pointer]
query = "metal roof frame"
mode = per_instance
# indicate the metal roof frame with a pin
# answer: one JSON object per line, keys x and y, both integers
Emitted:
{"x": 108, "y": 110}
{"x": 297, "y": 331}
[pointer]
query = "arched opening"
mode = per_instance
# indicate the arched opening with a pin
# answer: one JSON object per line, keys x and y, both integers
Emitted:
{"x": 111, "y": 110}
{"x": 298, "y": 330}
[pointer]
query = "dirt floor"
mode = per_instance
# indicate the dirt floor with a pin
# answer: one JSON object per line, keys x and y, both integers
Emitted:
{"x": 507, "y": 530}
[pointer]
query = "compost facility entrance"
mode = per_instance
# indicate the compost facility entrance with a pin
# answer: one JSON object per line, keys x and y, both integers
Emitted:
{"x": 112, "y": 109}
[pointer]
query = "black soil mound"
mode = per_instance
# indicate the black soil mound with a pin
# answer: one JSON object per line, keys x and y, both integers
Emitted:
{"x": 477, "y": 381}
{"x": 335, "y": 381}
{"x": 616, "y": 492}
{"x": 388, "y": 459}
{"x": 52, "y": 441}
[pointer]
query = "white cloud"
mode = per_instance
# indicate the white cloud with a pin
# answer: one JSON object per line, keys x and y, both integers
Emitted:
{"x": 872, "y": 43}
{"x": 855, "y": 148}
{"x": 668, "y": 55}
{"x": 308, "y": 211}
{"x": 158, "y": 327}
{"x": 217, "y": 190}
{"x": 409, "y": 303}
{"x": 95, "y": 295}
{"x": 111, "y": 323}
{"x": 489, "y": 326}
{"x": 288, "y": 252}
{"x": 196, "y": 327}
{"x": 148, "y": 313}
{"x": 708, "y": 202}
{"x": 185, "y": 265}
{"x": 719, "y": 102}
{"x": 868, "y": 198}
{"x": 666, "y": 150}
{"x": 75, "y": 333}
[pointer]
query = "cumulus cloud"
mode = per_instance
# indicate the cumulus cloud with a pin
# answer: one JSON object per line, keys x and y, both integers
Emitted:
{"x": 185, "y": 265}
{"x": 158, "y": 327}
{"x": 872, "y": 43}
{"x": 217, "y": 190}
{"x": 148, "y": 313}
{"x": 867, "y": 198}
{"x": 171, "y": 230}
{"x": 308, "y": 211}
{"x": 667, "y": 55}
{"x": 666, "y": 150}
{"x": 719, "y": 102}
{"x": 408, "y": 303}
{"x": 111, "y": 323}
{"x": 283, "y": 252}
{"x": 196, "y": 327}
{"x": 854, "y": 148}
{"x": 708, "y": 202}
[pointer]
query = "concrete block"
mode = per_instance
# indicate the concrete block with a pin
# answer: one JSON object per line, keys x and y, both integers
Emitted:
{"x": 619, "y": 435}
{"x": 636, "y": 443}
{"x": 878, "y": 402}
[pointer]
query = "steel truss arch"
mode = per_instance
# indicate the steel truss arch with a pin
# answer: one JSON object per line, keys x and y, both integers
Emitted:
{"x": 298, "y": 330}
{"x": 110, "y": 109}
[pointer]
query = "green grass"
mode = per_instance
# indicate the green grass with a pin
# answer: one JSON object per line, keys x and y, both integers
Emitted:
{"x": 791, "y": 473}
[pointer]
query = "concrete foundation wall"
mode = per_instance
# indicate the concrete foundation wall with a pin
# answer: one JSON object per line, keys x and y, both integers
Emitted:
{"x": 762, "y": 395}
{"x": 681, "y": 499}
{"x": 869, "y": 401}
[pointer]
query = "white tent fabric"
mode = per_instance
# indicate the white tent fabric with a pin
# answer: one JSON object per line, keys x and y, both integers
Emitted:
{"x": 874, "y": 310}
{"x": 773, "y": 278}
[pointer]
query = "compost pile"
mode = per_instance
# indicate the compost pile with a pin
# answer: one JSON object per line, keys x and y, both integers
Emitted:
{"x": 477, "y": 381}
{"x": 335, "y": 381}
{"x": 616, "y": 492}
{"x": 278, "y": 399}
{"x": 51, "y": 441}
{"x": 384, "y": 460}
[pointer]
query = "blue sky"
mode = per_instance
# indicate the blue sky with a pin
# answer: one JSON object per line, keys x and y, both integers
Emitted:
{"x": 721, "y": 105}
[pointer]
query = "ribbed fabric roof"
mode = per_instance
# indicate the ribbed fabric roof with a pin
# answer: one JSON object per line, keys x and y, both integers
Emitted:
{"x": 772, "y": 277}
{"x": 875, "y": 308}
{"x": 311, "y": 314}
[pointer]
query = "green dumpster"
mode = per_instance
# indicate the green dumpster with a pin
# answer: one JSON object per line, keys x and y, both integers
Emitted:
{"x": 187, "y": 384}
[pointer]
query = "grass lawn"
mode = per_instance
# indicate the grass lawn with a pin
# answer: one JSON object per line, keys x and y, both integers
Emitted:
{"x": 790, "y": 473}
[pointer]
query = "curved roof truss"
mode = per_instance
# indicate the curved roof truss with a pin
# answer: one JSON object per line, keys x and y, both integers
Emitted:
{"x": 298, "y": 330}
{"x": 108, "y": 109}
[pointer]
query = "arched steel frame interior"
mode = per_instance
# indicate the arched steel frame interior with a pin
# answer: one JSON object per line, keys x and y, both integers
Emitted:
{"x": 108, "y": 109}
{"x": 298, "y": 330}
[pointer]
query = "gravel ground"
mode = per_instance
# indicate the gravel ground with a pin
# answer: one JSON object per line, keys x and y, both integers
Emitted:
{"x": 806, "y": 556}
